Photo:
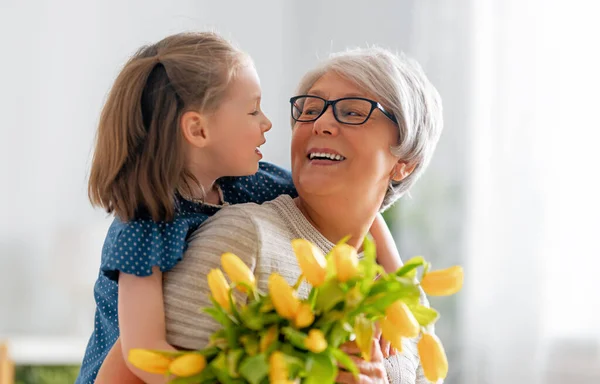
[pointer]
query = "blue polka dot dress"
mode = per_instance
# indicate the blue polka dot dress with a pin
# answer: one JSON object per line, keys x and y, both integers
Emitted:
{"x": 135, "y": 247}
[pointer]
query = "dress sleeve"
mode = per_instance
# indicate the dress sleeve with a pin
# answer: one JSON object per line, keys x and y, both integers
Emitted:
{"x": 268, "y": 183}
{"x": 185, "y": 287}
{"x": 135, "y": 247}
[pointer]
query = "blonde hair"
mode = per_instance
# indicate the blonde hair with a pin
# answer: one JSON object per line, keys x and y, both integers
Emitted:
{"x": 402, "y": 87}
{"x": 138, "y": 160}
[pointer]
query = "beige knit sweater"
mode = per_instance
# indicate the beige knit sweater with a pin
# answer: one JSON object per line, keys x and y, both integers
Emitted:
{"x": 260, "y": 235}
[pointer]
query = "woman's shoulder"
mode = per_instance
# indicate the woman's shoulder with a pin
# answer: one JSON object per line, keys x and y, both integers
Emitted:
{"x": 248, "y": 219}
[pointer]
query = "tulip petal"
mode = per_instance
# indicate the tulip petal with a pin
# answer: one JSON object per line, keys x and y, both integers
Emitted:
{"x": 283, "y": 297}
{"x": 311, "y": 261}
{"x": 149, "y": 361}
{"x": 237, "y": 271}
{"x": 187, "y": 365}
{"x": 219, "y": 288}
{"x": 433, "y": 358}
{"x": 443, "y": 282}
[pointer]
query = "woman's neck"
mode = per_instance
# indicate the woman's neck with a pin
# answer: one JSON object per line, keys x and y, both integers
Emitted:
{"x": 336, "y": 218}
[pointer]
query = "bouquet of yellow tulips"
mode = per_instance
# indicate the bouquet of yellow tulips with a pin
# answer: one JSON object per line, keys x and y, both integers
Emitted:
{"x": 276, "y": 337}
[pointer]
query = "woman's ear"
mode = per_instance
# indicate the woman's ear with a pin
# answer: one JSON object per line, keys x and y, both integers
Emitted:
{"x": 401, "y": 171}
{"x": 195, "y": 129}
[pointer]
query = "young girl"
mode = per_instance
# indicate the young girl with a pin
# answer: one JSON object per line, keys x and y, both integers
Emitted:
{"x": 182, "y": 119}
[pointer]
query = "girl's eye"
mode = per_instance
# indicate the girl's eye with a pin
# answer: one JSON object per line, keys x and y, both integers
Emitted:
{"x": 255, "y": 113}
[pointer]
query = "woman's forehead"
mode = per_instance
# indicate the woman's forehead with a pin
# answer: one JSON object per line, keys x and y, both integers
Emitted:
{"x": 334, "y": 86}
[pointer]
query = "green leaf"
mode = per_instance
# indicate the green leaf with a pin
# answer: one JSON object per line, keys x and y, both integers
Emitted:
{"x": 234, "y": 310}
{"x": 232, "y": 336}
{"x": 252, "y": 318}
{"x": 271, "y": 318}
{"x": 295, "y": 337}
{"x": 390, "y": 284}
{"x": 250, "y": 343}
{"x": 254, "y": 369}
{"x": 377, "y": 304}
{"x": 369, "y": 248}
{"x": 209, "y": 352}
{"x": 343, "y": 240}
{"x": 330, "y": 294}
{"x": 219, "y": 366}
{"x": 424, "y": 315}
{"x": 233, "y": 359}
{"x": 320, "y": 369}
{"x": 409, "y": 268}
{"x": 206, "y": 376}
{"x": 218, "y": 315}
{"x": 312, "y": 298}
{"x": 368, "y": 265}
{"x": 337, "y": 335}
{"x": 345, "y": 361}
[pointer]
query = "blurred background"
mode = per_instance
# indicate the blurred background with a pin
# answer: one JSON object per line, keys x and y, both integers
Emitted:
{"x": 510, "y": 194}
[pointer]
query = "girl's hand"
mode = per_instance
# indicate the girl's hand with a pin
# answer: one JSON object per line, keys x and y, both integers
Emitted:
{"x": 370, "y": 372}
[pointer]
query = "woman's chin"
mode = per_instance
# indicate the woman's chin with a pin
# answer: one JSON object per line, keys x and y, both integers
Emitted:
{"x": 318, "y": 185}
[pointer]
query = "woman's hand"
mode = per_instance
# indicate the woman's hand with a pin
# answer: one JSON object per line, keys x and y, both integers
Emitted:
{"x": 386, "y": 348}
{"x": 371, "y": 372}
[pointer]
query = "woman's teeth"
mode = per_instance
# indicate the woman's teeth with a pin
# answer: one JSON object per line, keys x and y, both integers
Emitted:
{"x": 326, "y": 156}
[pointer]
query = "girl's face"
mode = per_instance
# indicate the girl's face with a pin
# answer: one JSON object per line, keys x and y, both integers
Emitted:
{"x": 236, "y": 129}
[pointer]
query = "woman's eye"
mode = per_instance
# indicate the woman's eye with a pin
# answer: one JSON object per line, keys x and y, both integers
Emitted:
{"x": 311, "y": 111}
{"x": 353, "y": 113}
{"x": 255, "y": 113}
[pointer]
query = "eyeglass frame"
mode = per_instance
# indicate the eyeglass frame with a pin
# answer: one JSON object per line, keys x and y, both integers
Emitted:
{"x": 374, "y": 105}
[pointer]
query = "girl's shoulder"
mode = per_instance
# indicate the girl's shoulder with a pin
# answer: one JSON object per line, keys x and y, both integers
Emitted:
{"x": 136, "y": 246}
{"x": 269, "y": 182}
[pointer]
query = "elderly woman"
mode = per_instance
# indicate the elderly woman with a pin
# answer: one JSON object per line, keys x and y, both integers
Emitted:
{"x": 365, "y": 126}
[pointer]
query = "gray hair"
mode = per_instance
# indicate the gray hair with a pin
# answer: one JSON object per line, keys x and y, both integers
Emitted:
{"x": 401, "y": 86}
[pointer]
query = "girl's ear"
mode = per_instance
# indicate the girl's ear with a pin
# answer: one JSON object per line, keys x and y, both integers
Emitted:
{"x": 194, "y": 129}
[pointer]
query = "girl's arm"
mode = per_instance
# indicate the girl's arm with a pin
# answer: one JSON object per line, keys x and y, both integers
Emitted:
{"x": 115, "y": 369}
{"x": 387, "y": 253}
{"x": 141, "y": 322}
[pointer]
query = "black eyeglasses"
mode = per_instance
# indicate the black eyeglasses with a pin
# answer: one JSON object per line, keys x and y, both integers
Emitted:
{"x": 347, "y": 110}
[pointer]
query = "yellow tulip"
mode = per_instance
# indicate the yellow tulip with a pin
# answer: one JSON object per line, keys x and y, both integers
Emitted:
{"x": 283, "y": 297}
{"x": 311, "y": 261}
{"x": 278, "y": 370}
{"x": 149, "y": 361}
{"x": 219, "y": 288}
{"x": 315, "y": 342}
{"x": 403, "y": 319}
{"x": 268, "y": 338}
{"x": 346, "y": 262}
{"x": 363, "y": 330}
{"x": 304, "y": 317}
{"x": 433, "y": 358}
{"x": 391, "y": 334}
{"x": 187, "y": 365}
{"x": 237, "y": 271}
{"x": 443, "y": 282}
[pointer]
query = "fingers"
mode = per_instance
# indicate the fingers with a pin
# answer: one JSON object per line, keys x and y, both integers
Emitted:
{"x": 370, "y": 371}
{"x": 348, "y": 378}
{"x": 376, "y": 354}
{"x": 385, "y": 347}
{"x": 350, "y": 348}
